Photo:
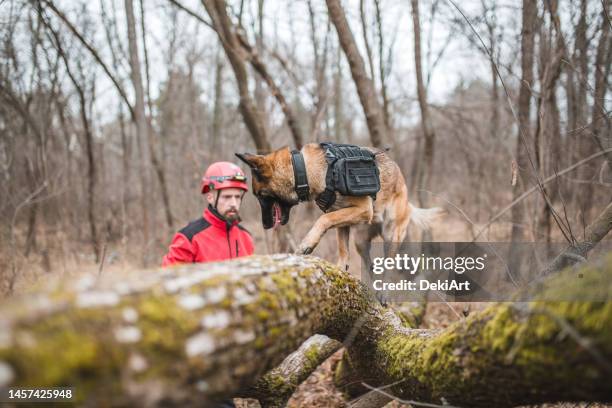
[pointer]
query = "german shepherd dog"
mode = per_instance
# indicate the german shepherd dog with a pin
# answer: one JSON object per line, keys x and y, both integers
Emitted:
{"x": 388, "y": 215}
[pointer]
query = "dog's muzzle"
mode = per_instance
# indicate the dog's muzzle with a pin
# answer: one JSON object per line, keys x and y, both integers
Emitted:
{"x": 268, "y": 212}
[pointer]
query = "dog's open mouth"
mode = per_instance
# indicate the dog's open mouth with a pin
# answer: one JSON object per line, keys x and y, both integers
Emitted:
{"x": 274, "y": 211}
{"x": 276, "y": 214}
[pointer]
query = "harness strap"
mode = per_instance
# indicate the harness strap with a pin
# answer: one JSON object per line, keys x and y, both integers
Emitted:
{"x": 328, "y": 197}
{"x": 299, "y": 173}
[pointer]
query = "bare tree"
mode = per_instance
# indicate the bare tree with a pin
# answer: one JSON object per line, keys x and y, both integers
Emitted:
{"x": 89, "y": 144}
{"x": 139, "y": 116}
{"x": 529, "y": 16}
{"x": 547, "y": 135}
{"x": 365, "y": 86}
{"x": 597, "y": 135}
{"x": 426, "y": 163}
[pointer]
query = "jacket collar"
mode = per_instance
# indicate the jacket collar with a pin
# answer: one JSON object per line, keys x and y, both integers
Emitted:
{"x": 212, "y": 216}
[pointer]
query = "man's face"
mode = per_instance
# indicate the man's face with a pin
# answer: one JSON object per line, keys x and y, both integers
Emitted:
{"x": 229, "y": 202}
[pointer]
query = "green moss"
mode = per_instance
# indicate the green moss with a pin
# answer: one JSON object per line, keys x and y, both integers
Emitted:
{"x": 70, "y": 349}
{"x": 165, "y": 324}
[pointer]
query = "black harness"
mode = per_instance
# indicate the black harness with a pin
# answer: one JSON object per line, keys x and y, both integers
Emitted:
{"x": 351, "y": 170}
{"x": 299, "y": 173}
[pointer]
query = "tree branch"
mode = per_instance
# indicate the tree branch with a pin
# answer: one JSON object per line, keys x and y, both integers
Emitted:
{"x": 93, "y": 52}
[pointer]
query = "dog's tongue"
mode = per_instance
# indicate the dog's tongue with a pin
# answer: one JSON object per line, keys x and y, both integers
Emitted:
{"x": 276, "y": 214}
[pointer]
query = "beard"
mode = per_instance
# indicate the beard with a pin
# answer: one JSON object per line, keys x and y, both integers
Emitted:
{"x": 232, "y": 215}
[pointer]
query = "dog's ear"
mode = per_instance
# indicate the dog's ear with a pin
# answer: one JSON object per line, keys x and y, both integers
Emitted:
{"x": 255, "y": 161}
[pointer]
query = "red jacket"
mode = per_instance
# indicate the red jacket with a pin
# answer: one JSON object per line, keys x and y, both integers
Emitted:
{"x": 210, "y": 238}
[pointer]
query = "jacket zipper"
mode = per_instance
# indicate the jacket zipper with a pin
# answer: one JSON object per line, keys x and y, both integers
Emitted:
{"x": 236, "y": 248}
{"x": 229, "y": 245}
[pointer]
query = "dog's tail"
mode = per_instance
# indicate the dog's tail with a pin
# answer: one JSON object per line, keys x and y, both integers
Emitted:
{"x": 423, "y": 217}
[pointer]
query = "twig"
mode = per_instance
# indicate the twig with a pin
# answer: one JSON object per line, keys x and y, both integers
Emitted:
{"x": 102, "y": 260}
{"x": 191, "y": 13}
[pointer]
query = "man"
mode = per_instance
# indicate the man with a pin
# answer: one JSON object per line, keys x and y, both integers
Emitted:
{"x": 217, "y": 235}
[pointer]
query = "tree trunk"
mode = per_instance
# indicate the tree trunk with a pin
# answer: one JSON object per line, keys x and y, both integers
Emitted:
{"x": 530, "y": 14}
{"x": 216, "y": 9}
{"x": 218, "y": 109}
{"x": 598, "y": 135}
{"x": 425, "y": 172}
{"x": 143, "y": 126}
{"x": 153, "y": 137}
{"x": 338, "y": 111}
{"x": 547, "y": 136}
{"x": 139, "y": 118}
{"x": 382, "y": 69}
{"x": 365, "y": 87}
{"x": 189, "y": 335}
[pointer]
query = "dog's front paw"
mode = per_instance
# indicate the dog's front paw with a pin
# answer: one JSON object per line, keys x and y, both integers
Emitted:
{"x": 304, "y": 250}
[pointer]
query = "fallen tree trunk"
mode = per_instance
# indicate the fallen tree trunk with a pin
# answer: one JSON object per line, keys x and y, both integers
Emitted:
{"x": 189, "y": 335}
{"x": 278, "y": 385}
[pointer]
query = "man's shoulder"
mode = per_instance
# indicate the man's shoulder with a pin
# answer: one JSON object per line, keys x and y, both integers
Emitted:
{"x": 194, "y": 227}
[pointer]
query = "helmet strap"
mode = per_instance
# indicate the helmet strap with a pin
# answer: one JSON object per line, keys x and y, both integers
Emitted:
{"x": 217, "y": 199}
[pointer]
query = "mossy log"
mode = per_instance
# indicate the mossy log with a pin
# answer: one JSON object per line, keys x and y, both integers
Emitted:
{"x": 192, "y": 334}
{"x": 278, "y": 385}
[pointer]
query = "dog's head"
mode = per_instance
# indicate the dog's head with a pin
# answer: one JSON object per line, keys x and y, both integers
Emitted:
{"x": 273, "y": 185}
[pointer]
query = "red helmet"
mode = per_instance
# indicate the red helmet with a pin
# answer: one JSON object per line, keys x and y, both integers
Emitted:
{"x": 222, "y": 175}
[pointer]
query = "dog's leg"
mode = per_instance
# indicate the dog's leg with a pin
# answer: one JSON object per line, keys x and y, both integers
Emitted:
{"x": 364, "y": 234}
{"x": 339, "y": 218}
{"x": 395, "y": 225}
{"x": 343, "y": 234}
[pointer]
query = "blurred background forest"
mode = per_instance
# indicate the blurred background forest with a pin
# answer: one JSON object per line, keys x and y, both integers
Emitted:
{"x": 111, "y": 110}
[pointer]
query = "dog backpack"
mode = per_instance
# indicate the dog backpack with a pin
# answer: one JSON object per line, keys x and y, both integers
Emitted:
{"x": 351, "y": 171}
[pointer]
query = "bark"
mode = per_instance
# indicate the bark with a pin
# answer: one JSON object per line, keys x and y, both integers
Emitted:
{"x": 338, "y": 112}
{"x": 598, "y": 136}
{"x": 319, "y": 75}
{"x": 529, "y": 16}
{"x": 112, "y": 35}
{"x": 188, "y": 335}
{"x": 219, "y": 102}
{"x": 143, "y": 126}
{"x": 262, "y": 70}
{"x": 547, "y": 137}
{"x": 577, "y": 82}
{"x": 236, "y": 55}
{"x": 425, "y": 169}
{"x": 139, "y": 116}
{"x": 365, "y": 87}
{"x": 366, "y": 39}
{"x": 276, "y": 387}
{"x": 152, "y": 136}
{"x": 491, "y": 30}
{"x": 382, "y": 69}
